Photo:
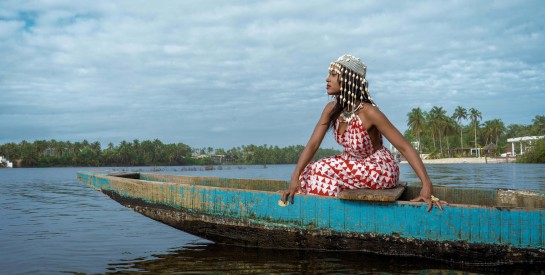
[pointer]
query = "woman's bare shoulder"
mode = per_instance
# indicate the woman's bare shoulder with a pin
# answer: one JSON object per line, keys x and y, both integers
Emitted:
{"x": 329, "y": 106}
{"x": 370, "y": 110}
{"x": 371, "y": 114}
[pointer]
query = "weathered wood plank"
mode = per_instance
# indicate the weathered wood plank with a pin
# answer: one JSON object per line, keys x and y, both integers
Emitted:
{"x": 365, "y": 194}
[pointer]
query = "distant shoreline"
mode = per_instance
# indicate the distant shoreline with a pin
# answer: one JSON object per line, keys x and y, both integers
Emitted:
{"x": 467, "y": 160}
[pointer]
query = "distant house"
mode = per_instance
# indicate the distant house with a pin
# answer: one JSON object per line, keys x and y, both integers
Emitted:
{"x": 490, "y": 149}
{"x": 5, "y": 163}
{"x": 215, "y": 158}
{"x": 524, "y": 142}
{"x": 199, "y": 156}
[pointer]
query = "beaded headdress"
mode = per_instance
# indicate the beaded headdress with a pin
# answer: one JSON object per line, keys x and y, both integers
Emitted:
{"x": 354, "y": 86}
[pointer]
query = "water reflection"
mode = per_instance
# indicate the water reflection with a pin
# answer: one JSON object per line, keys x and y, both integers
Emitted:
{"x": 214, "y": 258}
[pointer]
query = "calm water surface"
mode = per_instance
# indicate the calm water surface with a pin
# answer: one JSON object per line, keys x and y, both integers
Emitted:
{"x": 51, "y": 223}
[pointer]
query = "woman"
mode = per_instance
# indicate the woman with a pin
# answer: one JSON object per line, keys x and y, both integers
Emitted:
{"x": 358, "y": 126}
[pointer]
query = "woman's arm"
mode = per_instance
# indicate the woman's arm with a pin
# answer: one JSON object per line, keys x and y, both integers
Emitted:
{"x": 309, "y": 152}
{"x": 375, "y": 117}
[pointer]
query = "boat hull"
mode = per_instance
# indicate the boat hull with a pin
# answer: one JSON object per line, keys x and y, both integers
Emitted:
{"x": 471, "y": 234}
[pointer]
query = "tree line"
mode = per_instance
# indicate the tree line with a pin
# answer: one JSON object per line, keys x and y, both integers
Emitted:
{"x": 48, "y": 153}
{"x": 436, "y": 133}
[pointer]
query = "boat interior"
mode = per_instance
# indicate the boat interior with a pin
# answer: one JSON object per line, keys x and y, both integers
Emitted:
{"x": 498, "y": 198}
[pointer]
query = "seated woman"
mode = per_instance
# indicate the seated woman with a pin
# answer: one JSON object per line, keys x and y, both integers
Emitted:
{"x": 358, "y": 126}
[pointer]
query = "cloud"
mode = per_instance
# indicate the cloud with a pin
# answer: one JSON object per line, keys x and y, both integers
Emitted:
{"x": 209, "y": 73}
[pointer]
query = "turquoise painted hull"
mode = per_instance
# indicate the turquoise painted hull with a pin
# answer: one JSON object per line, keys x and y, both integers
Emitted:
{"x": 480, "y": 226}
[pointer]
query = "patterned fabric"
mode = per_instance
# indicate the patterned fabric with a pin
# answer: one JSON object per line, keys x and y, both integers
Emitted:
{"x": 359, "y": 166}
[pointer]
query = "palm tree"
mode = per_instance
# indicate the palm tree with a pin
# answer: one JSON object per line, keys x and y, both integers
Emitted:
{"x": 430, "y": 127}
{"x": 417, "y": 123}
{"x": 108, "y": 155}
{"x": 475, "y": 115}
{"x": 28, "y": 154}
{"x": 438, "y": 120}
{"x": 124, "y": 152}
{"x": 40, "y": 146}
{"x": 538, "y": 127}
{"x": 459, "y": 114}
{"x": 492, "y": 130}
{"x": 496, "y": 129}
{"x": 486, "y": 131}
{"x": 449, "y": 129}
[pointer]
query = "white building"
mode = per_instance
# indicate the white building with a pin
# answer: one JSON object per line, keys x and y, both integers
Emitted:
{"x": 523, "y": 141}
{"x": 5, "y": 162}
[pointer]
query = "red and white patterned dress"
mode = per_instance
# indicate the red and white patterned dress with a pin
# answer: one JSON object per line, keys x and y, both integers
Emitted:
{"x": 359, "y": 166}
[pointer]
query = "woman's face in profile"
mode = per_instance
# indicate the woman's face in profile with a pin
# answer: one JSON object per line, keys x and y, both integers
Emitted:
{"x": 332, "y": 83}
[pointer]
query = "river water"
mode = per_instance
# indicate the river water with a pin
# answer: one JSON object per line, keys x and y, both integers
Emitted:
{"x": 51, "y": 223}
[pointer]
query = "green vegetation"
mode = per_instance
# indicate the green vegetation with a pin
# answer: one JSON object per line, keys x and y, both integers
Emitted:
{"x": 536, "y": 154}
{"x": 440, "y": 135}
{"x": 42, "y": 153}
{"x": 433, "y": 132}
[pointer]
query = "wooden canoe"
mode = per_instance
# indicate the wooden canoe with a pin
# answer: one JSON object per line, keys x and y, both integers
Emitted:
{"x": 480, "y": 226}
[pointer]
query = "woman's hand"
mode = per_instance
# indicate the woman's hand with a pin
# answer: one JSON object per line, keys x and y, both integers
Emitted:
{"x": 292, "y": 189}
{"x": 427, "y": 197}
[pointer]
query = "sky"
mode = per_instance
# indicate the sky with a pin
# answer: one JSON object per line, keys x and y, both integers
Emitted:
{"x": 224, "y": 74}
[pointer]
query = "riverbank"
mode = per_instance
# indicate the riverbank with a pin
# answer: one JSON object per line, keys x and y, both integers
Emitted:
{"x": 467, "y": 160}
